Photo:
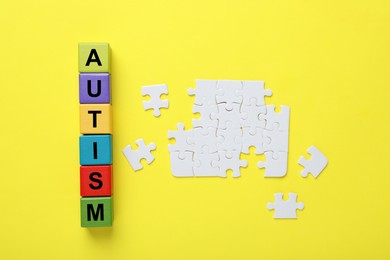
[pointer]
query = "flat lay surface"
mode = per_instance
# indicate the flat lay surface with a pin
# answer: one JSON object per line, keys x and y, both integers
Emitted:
{"x": 328, "y": 61}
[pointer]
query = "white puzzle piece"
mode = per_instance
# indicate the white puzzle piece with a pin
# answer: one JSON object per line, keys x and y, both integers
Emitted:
{"x": 202, "y": 164}
{"x": 275, "y": 165}
{"x": 234, "y": 163}
{"x": 205, "y": 121}
{"x": 181, "y": 136}
{"x": 181, "y": 167}
{"x": 285, "y": 208}
{"x": 249, "y": 140}
{"x": 280, "y": 121}
{"x": 254, "y": 90}
{"x": 231, "y": 139}
{"x": 134, "y": 156}
{"x": 314, "y": 166}
{"x": 250, "y": 116}
{"x": 229, "y": 92}
{"x": 155, "y": 101}
{"x": 233, "y": 116}
{"x": 201, "y": 140}
{"x": 275, "y": 141}
{"x": 205, "y": 92}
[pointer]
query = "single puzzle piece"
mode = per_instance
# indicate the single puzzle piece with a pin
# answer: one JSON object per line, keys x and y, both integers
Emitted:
{"x": 205, "y": 92}
{"x": 155, "y": 101}
{"x": 181, "y": 137}
{"x": 232, "y": 140}
{"x": 205, "y": 121}
{"x": 229, "y": 92}
{"x": 285, "y": 208}
{"x": 201, "y": 140}
{"x": 251, "y": 116}
{"x": 275, "y": 141}
{"x": 233, "y": 116}
{"x": 274, "y": 167}
{"x": 249, "y": 140}
{"x": 134, "y": 156}
{"x": 254, "y": 90}
{"x": 233, "y": 163}
{"x": 181, "y": 167}
{"x": 202, "y": 164}
{"x": 314, "y": 166}
{"x": 275, "y": 120}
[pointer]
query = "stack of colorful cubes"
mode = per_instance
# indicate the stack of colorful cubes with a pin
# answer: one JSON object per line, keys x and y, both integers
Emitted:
{"x": 96, "y": 135}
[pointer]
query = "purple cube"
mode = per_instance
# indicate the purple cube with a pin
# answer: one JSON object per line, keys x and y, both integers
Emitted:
{"x": 94, "y": 88}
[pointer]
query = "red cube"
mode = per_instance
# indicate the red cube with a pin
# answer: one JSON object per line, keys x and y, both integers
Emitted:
{"x": 95, "y": 180}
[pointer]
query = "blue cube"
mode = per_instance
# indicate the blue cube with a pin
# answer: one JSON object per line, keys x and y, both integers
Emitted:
{"x": 95, "y": 149}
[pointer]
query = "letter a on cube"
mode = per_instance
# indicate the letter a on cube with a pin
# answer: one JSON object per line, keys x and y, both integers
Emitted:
{"x": 94, "y": 57}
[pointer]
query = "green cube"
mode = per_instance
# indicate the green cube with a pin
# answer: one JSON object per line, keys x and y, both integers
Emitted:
{"x": 96, "y": 212}
{"x": 94, "y": 57}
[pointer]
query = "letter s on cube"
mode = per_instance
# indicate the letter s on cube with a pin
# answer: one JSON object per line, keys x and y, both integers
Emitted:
{"x": 95, "y": 181}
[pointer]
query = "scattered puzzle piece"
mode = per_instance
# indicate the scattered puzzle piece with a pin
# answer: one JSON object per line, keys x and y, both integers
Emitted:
{"x": 314, "y": 166}
{"x": 285, "y": 208}
{"x": 155, "y": 101}
{"x": 134, "y": 156}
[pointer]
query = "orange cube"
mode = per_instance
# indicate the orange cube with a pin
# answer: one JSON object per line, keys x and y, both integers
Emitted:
{"x": 95, "y": 119}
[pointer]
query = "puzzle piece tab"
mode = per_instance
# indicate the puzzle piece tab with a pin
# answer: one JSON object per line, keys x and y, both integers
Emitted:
{"x": 144, "y": 152}
{"x": 285, "y": 208}
{"x": 314, "y": 166}
{"x": 155, "y": 101}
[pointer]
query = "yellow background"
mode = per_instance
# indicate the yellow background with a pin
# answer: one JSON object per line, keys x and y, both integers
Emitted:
{"x": 328, "y": 60}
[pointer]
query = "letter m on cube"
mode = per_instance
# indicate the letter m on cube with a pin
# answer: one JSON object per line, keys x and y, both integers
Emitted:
{"x": 96, "y": 212}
